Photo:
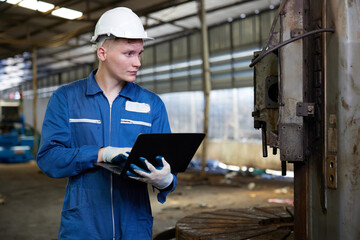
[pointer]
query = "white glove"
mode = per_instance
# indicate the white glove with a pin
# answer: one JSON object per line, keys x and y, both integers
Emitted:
{"x": 115, "y": 154}
{"x": 160, "y": 176}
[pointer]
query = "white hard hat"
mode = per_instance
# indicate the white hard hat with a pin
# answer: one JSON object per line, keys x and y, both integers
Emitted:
{"x": 120, "y": 22}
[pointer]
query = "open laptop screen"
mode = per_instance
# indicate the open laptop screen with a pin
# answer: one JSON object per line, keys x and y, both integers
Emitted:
{"x": 177, "y": 148}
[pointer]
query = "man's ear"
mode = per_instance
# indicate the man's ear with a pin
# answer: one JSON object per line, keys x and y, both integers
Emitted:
{"x": 101, "y": 53}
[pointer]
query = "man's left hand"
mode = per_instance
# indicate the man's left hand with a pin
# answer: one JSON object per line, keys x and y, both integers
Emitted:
{"x": 159, "y": 176}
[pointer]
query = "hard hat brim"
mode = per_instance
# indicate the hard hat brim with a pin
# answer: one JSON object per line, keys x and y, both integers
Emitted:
{"x": 94, "y": 40}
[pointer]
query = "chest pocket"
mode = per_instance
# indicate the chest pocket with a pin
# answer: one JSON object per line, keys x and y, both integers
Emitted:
{"x": 135, "y": 119}
{"x": 134, "y": 122}
{"x": 132, "y": 126}
{"x": 86, "y": 131}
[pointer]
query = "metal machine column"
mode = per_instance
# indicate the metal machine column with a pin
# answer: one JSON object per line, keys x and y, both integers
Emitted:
{"x": 318, "y": 126}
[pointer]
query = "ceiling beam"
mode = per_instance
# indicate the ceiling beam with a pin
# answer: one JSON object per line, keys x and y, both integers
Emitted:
{"x": 207, "y": 11}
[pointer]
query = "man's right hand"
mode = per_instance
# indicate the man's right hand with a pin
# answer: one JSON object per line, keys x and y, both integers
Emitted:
{"x": 115, "y": 154}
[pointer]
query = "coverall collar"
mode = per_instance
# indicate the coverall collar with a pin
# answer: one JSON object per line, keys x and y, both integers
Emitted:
{"x": 128, "y": 91}
{"x": 92, "y": 87}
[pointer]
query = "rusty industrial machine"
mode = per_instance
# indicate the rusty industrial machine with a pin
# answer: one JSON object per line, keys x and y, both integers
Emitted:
{"x": 307, "y": 105}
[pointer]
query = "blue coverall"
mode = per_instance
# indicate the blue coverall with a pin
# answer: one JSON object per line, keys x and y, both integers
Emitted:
{"x": 78, "y": 121}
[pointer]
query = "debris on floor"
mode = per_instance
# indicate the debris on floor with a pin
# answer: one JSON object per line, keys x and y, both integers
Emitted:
{"x": 251, "y": 186}
{"x": 221, "y": 174}
{"x": 212, "y": 166}
{"x": 2, "y": 199}
{"x": 230, "y": 171}
{"x": 283, "y": 190}
{"x": 282, "y": 201}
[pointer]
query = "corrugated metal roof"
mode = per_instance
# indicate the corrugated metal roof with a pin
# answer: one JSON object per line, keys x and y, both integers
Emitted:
{"x": 59, "y": 41}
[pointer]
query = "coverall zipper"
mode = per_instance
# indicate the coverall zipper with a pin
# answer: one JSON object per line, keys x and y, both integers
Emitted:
{"x": 111, "y": 180}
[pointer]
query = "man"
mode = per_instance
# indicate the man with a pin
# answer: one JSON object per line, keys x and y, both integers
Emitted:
{"x": 98, "y": 119}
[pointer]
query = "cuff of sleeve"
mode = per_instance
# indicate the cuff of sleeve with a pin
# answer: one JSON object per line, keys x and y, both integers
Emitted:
{"x": 161, "y": 196}
{"x": 89, "y": 157}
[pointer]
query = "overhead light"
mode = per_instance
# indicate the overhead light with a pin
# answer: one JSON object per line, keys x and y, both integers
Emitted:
{"x": 13, "y": 1}
{"x": 30, "y": 4}
{"x": 66, "y": 13}
{"x": 37, "y": 5}
{"x": 44, "y": 6}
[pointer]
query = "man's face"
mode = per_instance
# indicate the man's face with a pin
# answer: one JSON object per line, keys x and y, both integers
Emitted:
{"x": 123, "y": 58}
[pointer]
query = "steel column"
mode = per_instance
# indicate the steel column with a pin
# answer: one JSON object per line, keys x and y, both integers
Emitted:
{"x": 34, "y": 82}
{"x": 206, "y": 80}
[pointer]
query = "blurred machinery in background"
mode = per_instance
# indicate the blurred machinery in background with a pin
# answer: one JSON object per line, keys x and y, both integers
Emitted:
{"x": 307, "y": 104}
{"x": 15, "y": 146}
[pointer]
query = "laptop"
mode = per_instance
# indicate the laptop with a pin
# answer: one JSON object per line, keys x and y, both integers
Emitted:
{"x": 178, "y": 150}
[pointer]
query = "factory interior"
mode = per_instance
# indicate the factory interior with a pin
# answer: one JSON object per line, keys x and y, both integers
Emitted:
{"x": 273, "y": 85}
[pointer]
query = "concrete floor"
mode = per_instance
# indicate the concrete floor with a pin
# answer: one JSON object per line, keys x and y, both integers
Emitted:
{"x": 30, "y": 202}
